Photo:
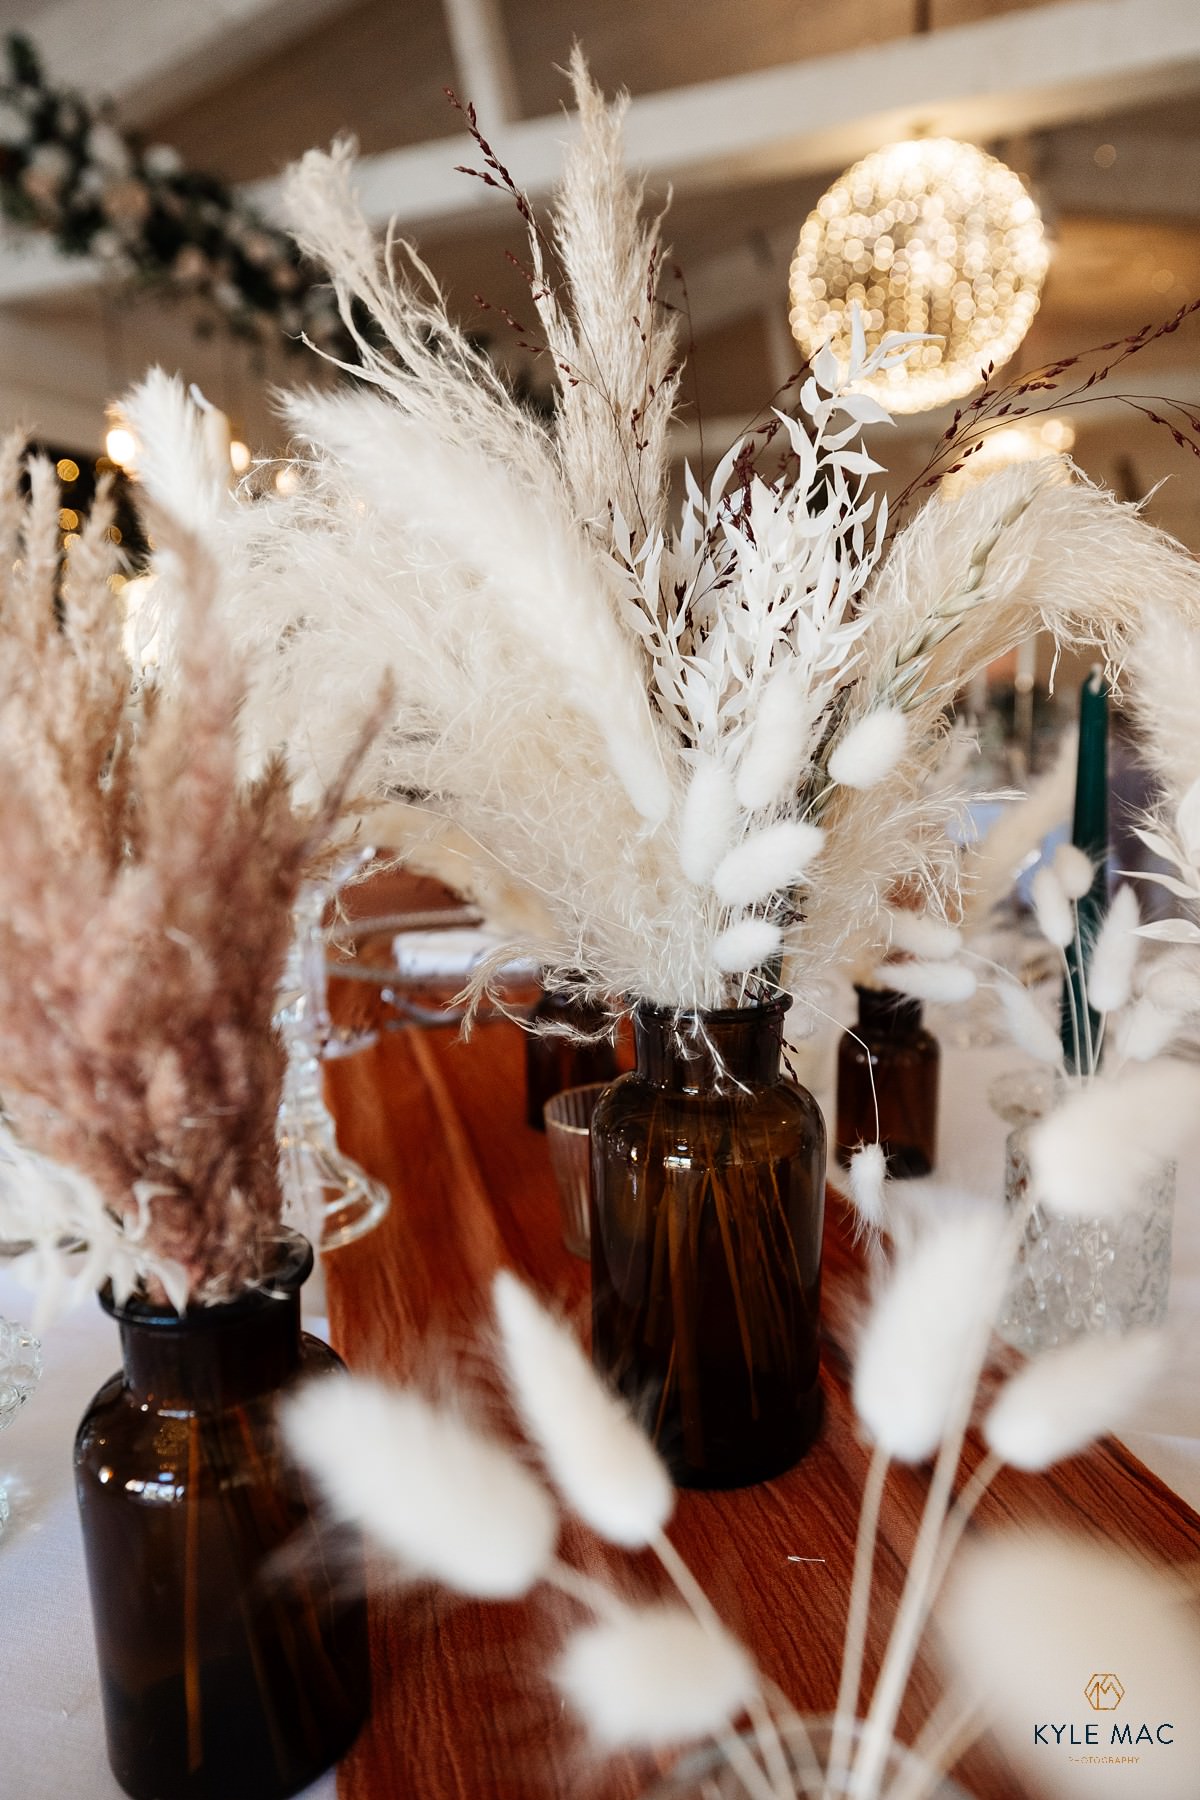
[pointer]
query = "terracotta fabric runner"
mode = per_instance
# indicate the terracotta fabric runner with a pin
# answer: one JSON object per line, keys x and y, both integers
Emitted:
{"x": 462, "y": 1711}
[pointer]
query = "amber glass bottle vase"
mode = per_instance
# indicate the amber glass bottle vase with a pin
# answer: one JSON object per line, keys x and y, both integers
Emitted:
{"x": 708, "y": 1171}
{"x": 554, "y": 1060}
{"x": 229, "y": 1619}
{"x": 889, "y": 1060}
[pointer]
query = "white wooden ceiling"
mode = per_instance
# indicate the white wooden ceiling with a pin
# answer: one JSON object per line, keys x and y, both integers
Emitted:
{"x": 747, "y": 107}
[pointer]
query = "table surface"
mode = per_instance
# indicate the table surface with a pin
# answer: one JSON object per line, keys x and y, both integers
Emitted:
{"x": 462, "y": 1710}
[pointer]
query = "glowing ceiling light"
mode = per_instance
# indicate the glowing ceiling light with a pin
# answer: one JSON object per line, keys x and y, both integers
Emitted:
{"x": 932, "y": 236}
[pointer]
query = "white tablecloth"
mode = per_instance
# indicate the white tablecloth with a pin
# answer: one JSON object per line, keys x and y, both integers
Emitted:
{"x": 51, "y": 1733}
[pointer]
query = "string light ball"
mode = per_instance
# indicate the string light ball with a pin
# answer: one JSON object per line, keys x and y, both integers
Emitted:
{"x": 929, "y": 235}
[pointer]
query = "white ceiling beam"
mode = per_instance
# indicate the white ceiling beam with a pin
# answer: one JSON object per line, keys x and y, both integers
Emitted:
{"x": 486, "y": 77}
{"x": 147, "y": 55}
{"x": 1023, "y": 71}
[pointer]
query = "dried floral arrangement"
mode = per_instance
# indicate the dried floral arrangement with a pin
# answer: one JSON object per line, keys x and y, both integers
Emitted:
{"x": 145, "y": 910}
{"x": 448, "y": 1499}
{"x": 699, "y": 756}
{"x": 68, "y": 169}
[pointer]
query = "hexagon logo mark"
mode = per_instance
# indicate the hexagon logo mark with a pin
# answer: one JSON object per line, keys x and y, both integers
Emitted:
{"x": 1104, "y": 1692}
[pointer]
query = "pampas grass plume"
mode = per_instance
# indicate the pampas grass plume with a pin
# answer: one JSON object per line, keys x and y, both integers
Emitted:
{"x": 1056, "y": 920}
{"x": 1029, "y": 1616}
{"x": 927, "y": 1327}
{"x": 1110, "y": 971}
{"x": 746, "y": 944}
{"x": 766, "y": 862}
{"x": 448, "y": 1502}
{"x": 948, "y": 982}
{"x": 1095, "y": 1153}
{"x": 653, "y": 1677}
{"x": 1031, "y": 1030}
{"x": 920, "y": 934}
{"x": 1062, "y": 1401}
{"x": 706, "y": 820}
{"x": 1075, "y": 870}
{"x": 870, "y": 750}
{"x": 602, "y": 1464}
{"x": 867, "y": 1176}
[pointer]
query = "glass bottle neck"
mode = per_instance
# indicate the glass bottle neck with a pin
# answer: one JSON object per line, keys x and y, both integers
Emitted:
{"x": 886, "y": 1013}
{"x": 710, "y": 1052}
{"x": 216, "y": 1356}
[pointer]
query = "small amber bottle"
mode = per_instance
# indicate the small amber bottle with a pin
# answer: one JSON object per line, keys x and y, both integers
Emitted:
{"x": 555, "y": 1060}
{"x": 890, "y": 1045}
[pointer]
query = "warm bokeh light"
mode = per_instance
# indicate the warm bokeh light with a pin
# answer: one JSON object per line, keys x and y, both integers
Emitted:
{"x": 1026, "y": 440}
{"x": 67, "y": 469}
{"x": 120, "y": 446}
{"x": 239, "y": 456}
{"x": 286, "y": 480}
{"x": 932, "y": 236}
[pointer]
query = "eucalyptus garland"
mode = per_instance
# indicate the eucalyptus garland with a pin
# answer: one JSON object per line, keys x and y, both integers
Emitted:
{"x": 67, "y": 168}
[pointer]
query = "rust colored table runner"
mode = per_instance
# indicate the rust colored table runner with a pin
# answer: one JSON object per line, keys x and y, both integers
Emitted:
{"x": 462, "y": 1710}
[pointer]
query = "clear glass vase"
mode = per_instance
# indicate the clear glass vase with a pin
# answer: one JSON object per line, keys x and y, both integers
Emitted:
{"x": 1074, "y": 1276}
{"x": 712, "y": 1774}
{"x": 20, "y": 1372}
{"x": 327, "y": 1196}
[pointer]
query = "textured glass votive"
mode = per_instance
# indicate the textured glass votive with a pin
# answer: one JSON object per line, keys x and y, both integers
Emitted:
{"x": 20, "y": 1371}
{"x": 568, "y": 1118}
{"x": 1074, "y": 1276}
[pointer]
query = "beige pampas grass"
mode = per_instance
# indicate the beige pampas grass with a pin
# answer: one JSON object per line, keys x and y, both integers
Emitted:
{"x": 145, "y": 910}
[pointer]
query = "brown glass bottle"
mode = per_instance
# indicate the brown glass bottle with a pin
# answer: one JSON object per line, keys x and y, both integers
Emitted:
{"x": 229, "y": 1619}
{"x": 708, "y": 1176}
{"x": 554, "y": 1061}
{"x": 902, "y": 1059}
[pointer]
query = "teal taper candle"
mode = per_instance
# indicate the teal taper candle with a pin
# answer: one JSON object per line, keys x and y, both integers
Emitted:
{"x": 1089, "y": 833}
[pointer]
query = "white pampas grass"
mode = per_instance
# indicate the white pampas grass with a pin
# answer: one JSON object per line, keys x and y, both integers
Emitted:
{"x": 1097, "y": 1151}
{"x": 176, "y": 464}
{"x": 870, "y": 750}
{"x": 1028, "y": 1024}
{"x": 746, "y": 945}
{"x": 1052, "y": 909}
{"x": 925, "y": 1333}
{"x": 1063, "y": 1400}
{"x": 948, "y": 982}
{"x": 1144, "y": 1030}
{"x": 771, "y": 859}
{"x": 600, "y": 1461}
{"x": 1075, "y": 870}
{"x": 921, "y": 935}
{"x": 867, "y": 1177}
{"x": 1028, "y": 1618}
{"x": 706, "y": 820}
{"x": 1110, "y": 968}
{"x": 991, "y": 865}
{"x": 448, "y": 1502}
{"x": 654, "y": 1677}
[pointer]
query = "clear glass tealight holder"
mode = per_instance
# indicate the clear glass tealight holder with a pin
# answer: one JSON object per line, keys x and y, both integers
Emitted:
{"x": 1077, "y": 1276}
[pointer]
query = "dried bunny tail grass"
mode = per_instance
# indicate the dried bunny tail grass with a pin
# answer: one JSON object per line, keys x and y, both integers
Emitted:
{"x": 1051, "y": 908}
{"x": 947, "y": 982}
{"x": 615, "y": 349}
{"x": 599, "y": 1459}
{"x": 926, "y": 1331}
{"x": 655, "y": 1676}
{"x": 445, "y": 1500}
{"x": 1095, "y": 1153}
{"x": 1028, "y": 1616}
{"x": 1028, "y": 1024}
{"x": 1115, "y": 953}
{"x": 1062, "y": 1401}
